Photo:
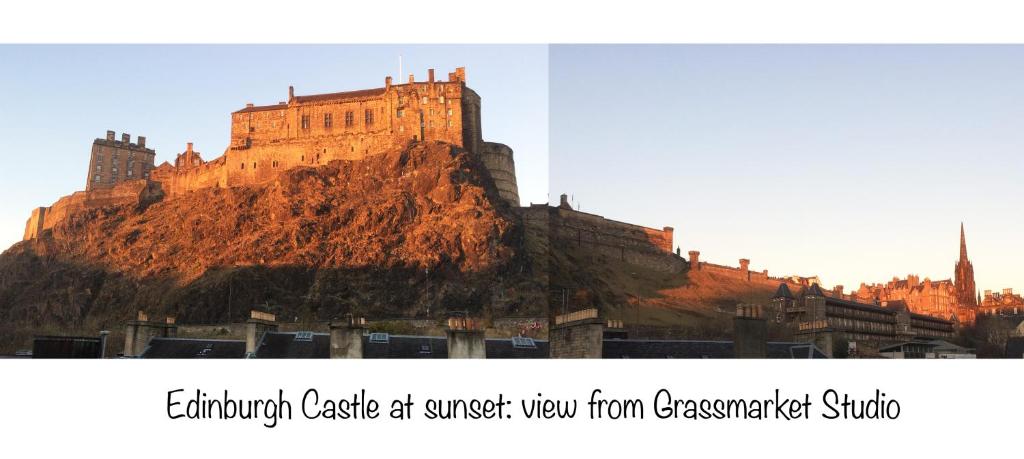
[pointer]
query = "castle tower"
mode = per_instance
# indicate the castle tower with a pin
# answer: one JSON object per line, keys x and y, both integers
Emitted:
{"x": 965, "y": 288}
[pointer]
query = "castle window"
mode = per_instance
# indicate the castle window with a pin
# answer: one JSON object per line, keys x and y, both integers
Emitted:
{"x": 441, "y": 99}
{"x": 305, "y": 121}
{"x": 449, "y": 123}
{"x": 327, "y": 120}
{"x": 449, "y": 112}
{"x": 349, "y": 119}
{"x": 398, "y": 114}
{"x": 369, "y": 117}
{"x": 252, "y": 128}
{"x": 243, "y": 166}
{"x": 254, "y": 164}
{"x": 425, "y": 100}
{"x": 96, "y": 178}
{"x": 401, "y": 128}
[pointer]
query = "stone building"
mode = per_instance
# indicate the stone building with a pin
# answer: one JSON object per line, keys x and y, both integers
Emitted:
{"x": 943, "y": 298}
{"x": 830, "y": 320}
{"x": 1001, "y": 303}
{"x": 309, "y": 130}
{"x": 115, "y": 161}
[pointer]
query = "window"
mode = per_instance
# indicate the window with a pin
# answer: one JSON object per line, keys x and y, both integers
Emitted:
{"x": 369, "y": 117}
{"x": 401, "y": 128}
{"x": 379, "y": 338}
{"x": 441, "y": 99}
{"x": 449, "y": 112}
{"x": 96, "y": 178}
{"x": 398, "y": 114}
{"x": 349, "y": 119}
{"x": 327, "y": 120}
{"x": 304, "y": 336}
{"x": 425, "y": 100}
{"x": 522, "y": 342}
{"x": 305, "y": 121}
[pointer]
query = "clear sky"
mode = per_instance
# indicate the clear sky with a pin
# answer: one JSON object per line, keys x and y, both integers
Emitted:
{"x": 58, "y": 99}
{"x": 855, "y": 163}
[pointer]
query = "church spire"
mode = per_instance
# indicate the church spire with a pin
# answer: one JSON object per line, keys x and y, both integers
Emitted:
{"x": 964, "y": 283}
{"x": 963, "y": 244}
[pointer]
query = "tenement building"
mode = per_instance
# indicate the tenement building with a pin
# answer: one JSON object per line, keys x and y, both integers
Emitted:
{"x": 841, "y": 326}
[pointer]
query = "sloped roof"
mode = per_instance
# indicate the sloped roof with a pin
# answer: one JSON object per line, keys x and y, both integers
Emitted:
{"x": 283, "y": 345}
{"x": 783, "y": 292}
{"x": 407, "y": 347}
{"x": 503, "y": 349}
{"x": 66, "y": 347}
{"x": 1014, "y": 348}
{"x": 691, "y": 349}
{"x": 815, "y": 290}
{"x": 188, "y": 348}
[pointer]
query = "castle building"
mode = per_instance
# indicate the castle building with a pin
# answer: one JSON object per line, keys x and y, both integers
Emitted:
{"x": 314, "y": 129}
{"x": 115, "y": 161}
{"x": 307, "y": 130}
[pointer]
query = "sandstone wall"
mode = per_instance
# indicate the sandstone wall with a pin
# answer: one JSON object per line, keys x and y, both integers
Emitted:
{"x": 626, "y": 242}
{"x": 498, "y": 160}
{"x": 126, "y": 193}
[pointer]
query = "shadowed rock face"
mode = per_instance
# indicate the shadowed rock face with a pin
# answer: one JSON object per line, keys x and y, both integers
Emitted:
{"x": 410, "y": 232}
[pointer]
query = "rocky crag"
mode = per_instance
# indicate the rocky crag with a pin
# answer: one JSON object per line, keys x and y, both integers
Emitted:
{"x": 412, "y": 232}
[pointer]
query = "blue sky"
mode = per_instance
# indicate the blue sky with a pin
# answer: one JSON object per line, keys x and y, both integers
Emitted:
{"x": 57, "y": 99}
{"x": 855, "y": 163}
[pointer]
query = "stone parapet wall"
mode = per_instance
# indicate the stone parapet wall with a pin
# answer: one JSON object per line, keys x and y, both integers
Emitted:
{"x": 132, "y": 192}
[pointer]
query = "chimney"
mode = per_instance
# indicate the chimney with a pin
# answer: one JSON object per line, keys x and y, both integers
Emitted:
{"x": 291, "y": 93}
{"x": 412, "y": 78}
{"x": 142, "y": 142}
{"x": 188, "y": 147}
{"x": 126, "y": 138}
{"x": 347, "y": 338}
{"x": 258, "y": 324}
{"x": 387, "y": 83}
{"x": 430, "y": 75}
{"x": 110, "y": 136}
{"x": 577, "y": 335}
{"x": 249, "y": 105}
{"x": 750, "y": 332}
{"x": 745, "y": 268}
{"x": 668, "y": 230}
{"x": 694, "y": 260}
{"x": 460, "y": 74}
{"x": 138, "y": 332}
{"x": 466, "y": 338}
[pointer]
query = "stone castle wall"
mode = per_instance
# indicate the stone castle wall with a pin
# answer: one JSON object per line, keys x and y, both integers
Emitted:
{"x": 125, "y": 193}
{"x": 498, "y": 160}
{"x": 633, "y": 244}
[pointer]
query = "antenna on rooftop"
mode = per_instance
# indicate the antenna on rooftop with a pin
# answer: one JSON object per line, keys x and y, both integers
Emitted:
{"x": 400, "y": 67}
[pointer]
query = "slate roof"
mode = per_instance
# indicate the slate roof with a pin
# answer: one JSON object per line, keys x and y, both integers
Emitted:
{"x": 1014, "y": 348}
{"x": 691, "y": 349}
{"x": 503, "y": 349}
{"x": 66, "y": 347}
{"x": 283, "y": 345}
{"x": 407, "y": 347}
{"x": 815, "y": 290}
{"x": 188, "y": 348}
{"x": 783, "y": 292}
{"x": 345, "y": 95}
